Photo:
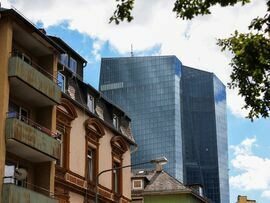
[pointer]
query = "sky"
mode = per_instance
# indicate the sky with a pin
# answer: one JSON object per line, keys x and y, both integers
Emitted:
{"x": 83, "y": 24}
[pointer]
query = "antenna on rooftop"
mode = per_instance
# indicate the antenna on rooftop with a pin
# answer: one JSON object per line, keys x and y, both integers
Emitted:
{"x": 131, "y": 51}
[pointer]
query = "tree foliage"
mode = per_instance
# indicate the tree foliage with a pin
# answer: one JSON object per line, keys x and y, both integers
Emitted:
{"x": 250, "y": 51}
{"x": 123, "y": 11}
{"x": 251, "y": 65}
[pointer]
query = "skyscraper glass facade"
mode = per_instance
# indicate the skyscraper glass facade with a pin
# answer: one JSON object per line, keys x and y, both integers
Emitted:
{"x": 177, "y": 112}
{"x": 147, "y": 88}
{"x": 204, "y": 129}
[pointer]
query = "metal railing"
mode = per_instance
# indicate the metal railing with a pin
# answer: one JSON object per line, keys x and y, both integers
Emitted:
{"x": 31, "y": 123}
{"x": 36, "y": 66}
{"x": 26, "y": 184}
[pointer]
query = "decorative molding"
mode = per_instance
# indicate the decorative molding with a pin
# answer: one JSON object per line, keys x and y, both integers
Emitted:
{"x": 94, "y": 129}
{"x": 69, "y": 108}
{"x": 119, "y": 146}
{"x": 63, "y": 185}
{"x": 75, "y": 180}
{"x": 65, "y": 114}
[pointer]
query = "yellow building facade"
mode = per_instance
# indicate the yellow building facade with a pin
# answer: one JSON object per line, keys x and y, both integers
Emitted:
{"x": 244, "y": 199}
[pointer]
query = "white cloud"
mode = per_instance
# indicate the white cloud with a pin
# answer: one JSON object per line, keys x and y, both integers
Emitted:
{"x": 266, "y": 194}
{"x": 97, "y": 45}
{"x": 253, "y": 171}
{"x": 194, "y": 42}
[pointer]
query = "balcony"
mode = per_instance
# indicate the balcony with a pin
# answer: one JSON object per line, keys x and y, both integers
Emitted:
{"x": 16, "y": 194}
{"x": 31, "y": 85}
{"x": 29, "y": 140}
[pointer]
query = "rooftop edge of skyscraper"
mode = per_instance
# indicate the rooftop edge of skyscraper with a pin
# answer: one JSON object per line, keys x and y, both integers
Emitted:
{"x": 162, "y": 56}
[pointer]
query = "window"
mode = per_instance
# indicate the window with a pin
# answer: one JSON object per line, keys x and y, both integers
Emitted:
{"x": 68, "y": 62}
{"x": 116, "y": 177}
{"x": 16, "y": 111}
{"x": 64, "y": 59}
{"x": 137, "y": 184}
{"x": 10, "y": 170}
{"x": 60, "y": 138}
{"x": 91, "y": 103}
{"x": 9, "y": 173}
{"x": 23, "y": 114}
{"x": 72, "y": 65}
{"x": 115, "y": 121}
{"x": 21, "y": 55}
{"x": 61, "y": 81}
{"x": 91, "y": 164}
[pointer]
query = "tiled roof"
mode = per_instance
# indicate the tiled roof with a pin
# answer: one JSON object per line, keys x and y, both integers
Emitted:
{"x": 162, "y": 181}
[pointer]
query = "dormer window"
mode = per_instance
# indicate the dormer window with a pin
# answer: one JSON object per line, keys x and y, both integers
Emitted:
{"x": 137, "y": 184}
{"x": 68, "y": 62}
{"x": 91, "y": 103}
{"x": 64, "y": 59}
{"x": 115, "y": 121}
{"x": 72, "y": 65}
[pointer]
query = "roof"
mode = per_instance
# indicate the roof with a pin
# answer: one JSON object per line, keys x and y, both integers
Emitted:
{"x": 160, "y": 182}
{"x": 13, "y": 13}
{"x": 65, "y": 46}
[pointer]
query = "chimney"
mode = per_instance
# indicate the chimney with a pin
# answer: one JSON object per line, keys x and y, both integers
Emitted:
{"x": 158, "y": 167}
{"x": 197, "y": 188}
{"x": 42, "y": 30}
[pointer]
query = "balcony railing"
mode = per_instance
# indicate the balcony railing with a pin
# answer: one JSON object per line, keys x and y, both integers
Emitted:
{"x": 37, "y": 67}
{"x": 32, "y": 123}
{"x": 37, "y": 79}
{"x": 13, "y": 193}
{"x": 22, "y": 133}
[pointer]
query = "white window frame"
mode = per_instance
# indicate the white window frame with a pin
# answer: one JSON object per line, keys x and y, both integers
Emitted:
{"x": 115, "y": 121}
{"x": 91, "y": 103}
{"x": 60, "y": 137}
{"x": 63, "y": 87}
{"x": 72, "y": 61}
{"x": 137, "y": 188}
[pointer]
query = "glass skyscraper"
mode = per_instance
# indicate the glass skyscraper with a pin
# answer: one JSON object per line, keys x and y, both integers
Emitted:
{"x": 177, "y": 112}
{"x": 204, "y": 130}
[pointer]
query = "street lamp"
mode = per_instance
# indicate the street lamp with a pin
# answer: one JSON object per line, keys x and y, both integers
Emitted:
{"x": 159, "y": 161}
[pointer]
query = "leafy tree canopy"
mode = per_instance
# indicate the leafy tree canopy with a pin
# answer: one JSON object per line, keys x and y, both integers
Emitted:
{"x": 251, "y": 51}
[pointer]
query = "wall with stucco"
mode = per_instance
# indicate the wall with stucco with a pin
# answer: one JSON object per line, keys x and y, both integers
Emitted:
{"x": 75, "y": 198}
{"x": 105, "y": 158}
{"x": 77, "y": 144}
{"x": 127, "y": 175}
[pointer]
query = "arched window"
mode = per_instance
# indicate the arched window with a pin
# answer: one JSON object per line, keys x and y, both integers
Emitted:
{"x": 119, "y": 147}
{"x": 66, "y": 113}
{"x": 94, "y": 131}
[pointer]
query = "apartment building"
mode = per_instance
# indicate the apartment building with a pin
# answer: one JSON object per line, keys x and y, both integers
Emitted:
{"x": 95, "y": 136}
{"x": 56, "y": 132}
{"x": 29, "y": 96}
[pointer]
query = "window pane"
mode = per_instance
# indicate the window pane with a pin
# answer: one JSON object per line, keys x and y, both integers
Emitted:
{"x": 90, "y": 103}
{"x": 91, "y": 163}
{"x": 73, "y": 65}
{"x": 61, "y": 81}
{"x": 116, "y": 178}
{"x": 64, "y": 59}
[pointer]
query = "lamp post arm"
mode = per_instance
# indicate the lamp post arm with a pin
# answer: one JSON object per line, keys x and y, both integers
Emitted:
{"x": 112, "y": 169}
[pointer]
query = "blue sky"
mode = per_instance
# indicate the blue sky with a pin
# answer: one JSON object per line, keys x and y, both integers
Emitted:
{"x": 239, "y": 129}
{"x": 156, "y": 31}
